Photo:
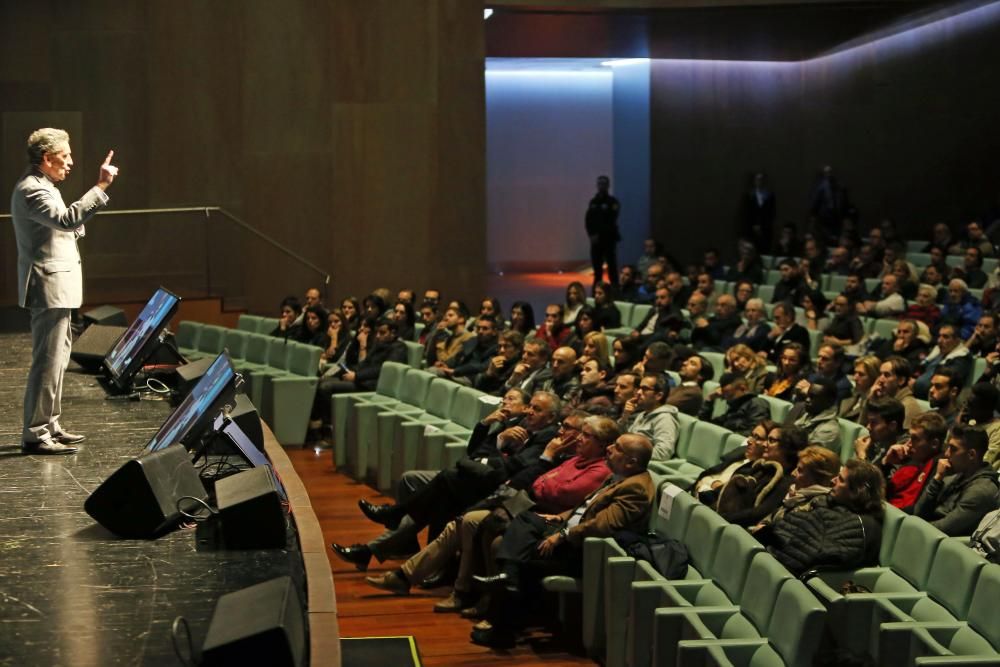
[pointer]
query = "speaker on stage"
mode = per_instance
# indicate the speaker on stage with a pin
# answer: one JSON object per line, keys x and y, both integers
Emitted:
{"x": 140, "y": 500}
{"x": 251, "y": 513}
{"x": 94, "y": 344}
{"x": 260, "y": 625}
{"x": 106, "y": 315}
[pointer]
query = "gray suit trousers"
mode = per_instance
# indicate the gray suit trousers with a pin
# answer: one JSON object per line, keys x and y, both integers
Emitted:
{"x": 51, "y": 344}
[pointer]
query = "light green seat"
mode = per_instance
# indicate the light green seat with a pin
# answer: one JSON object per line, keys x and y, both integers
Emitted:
{"x": 390, "y": 381}
{"x": 254, "y": 354}
{"x": 187, "y": 336}
{"x": 772, "y": 277}
{"x": 685, "y": 427}
{"x": 266, "y": 325}
{"x": 718, "y": 361}
{"x": 414, "y": 354}
{"x": 765, "y": 293}
{"x": 703, "y": 451}
{"x": 277, "y": 361}
{"x": 248, "y": 322}
{"x": 209, "y": 342}
{"x": 398, "y": 433}
{"x": 625, "y": 310}
{"x": 837, "y": 283}
{"x": 291, "y": 395}
{"x": 779, "y": 408}
{"x": 884, "y": 328}
{"x": 639, "y": 313}
{"x": 466, "y": 411}
{"x": 234, "y": 341}
{"x": 849, "y": 432}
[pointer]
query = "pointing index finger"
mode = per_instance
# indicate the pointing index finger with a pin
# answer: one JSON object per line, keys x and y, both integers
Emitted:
{"x": 107, "y": 160}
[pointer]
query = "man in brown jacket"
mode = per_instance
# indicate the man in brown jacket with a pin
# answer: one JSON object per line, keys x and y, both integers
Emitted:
{"x": 539, "y": 545}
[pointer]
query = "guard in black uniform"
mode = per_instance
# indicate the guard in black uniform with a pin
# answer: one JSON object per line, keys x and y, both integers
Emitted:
{"x": 602, "y": 228}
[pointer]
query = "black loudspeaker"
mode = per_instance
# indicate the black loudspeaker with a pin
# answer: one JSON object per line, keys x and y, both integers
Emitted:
{"x": 140, "y": 499}
{"x": 251, "y": 514}
{"x": 259, "y": 625}
{"x": 189, "y": 374}
{"x": 107, "y": 315}
{"x": 245, "y": 415}
{"x": 94, "y": 344}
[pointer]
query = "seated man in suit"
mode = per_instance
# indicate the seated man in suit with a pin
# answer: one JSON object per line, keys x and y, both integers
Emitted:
{"x": 538, "y": 545}
{"x": 687, "y": 397}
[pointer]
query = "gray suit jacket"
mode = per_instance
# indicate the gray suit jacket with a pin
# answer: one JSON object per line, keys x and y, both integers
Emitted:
{"x": 48, "y": 262}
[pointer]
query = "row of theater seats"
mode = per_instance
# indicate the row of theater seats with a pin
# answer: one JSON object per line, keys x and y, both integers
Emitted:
{"x": 914, "y": 255}
{"x": 932, "y": 601}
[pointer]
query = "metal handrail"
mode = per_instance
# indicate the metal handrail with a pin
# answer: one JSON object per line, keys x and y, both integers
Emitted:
{"x": 208, "y": 210}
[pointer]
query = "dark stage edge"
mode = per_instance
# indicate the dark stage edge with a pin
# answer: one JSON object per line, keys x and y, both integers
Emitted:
{"x": 71, "y": 593}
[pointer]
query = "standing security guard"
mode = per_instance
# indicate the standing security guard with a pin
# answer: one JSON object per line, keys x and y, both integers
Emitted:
{"x": 602, "y": 228}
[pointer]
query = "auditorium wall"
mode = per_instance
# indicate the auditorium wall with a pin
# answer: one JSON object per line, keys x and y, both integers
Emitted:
{"x": 352, "y": 131}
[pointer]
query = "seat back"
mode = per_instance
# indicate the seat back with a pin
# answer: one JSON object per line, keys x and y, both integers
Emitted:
{"x": 235, "y": 341}
{"x": 706, "y": 443}
{"x": 765, "y": 293}
{"x": 414, "y": 353}
{"x": 685, "y": 426}
{"x": 718, "y": 361}
{"x": 187, "y": 334}
{"x": 625, "y": 310}
{"x": 797, "y": 624}
{"x": 892, "y": 519}
{"x": 639, "y": 313}
{"x": 953, "y": 577}
{"x": 702, "y": 536}
{"x": 440, "y": 395}
{"x": 256, "y": 350}
{"x": 303, "y": 359}
{"x": 913, "y": 551}
{"x": 732, "y": 560}
{"x": 266, "y": 325}
{"x": 983, "y": 610}
{"x": 415, "y": 385}
{"x": 672, "y": 522}
{"x": 248, "y": 322}
{"x": 390, "y": 379}
{"x": 210, "y": 340}
{"x": 277, "y": 353}
{"x": 733, "y": 441}
{"x": 763, "y": 582}
{"x": 779, "y": 408}
{"x": 884, "y": 328}
{"x": 465, "y": 407}
{"x": 849, "y": 432}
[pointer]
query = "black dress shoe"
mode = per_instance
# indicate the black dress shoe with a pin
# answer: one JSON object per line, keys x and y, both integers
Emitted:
{"x": 356, "y": 554}
{"x": 387, "y": 515}
{"x": 47, "y": 446}
{"x": 440, "y": 578}
{"x": 501, "y": 581}
{"x": 68, "y": 438}
{"x": 494, "y": 637}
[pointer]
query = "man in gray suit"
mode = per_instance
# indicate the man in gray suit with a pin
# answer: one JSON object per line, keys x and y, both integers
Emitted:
{"x": 50, "y": 280}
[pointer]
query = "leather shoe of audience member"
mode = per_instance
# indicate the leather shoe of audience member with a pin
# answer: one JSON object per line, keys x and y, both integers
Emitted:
{"x": 443, "y": 577}
{"x": 47, "y": 446}
{"x": 357, "y": 554}
{"x": 387, "y": 515}
{"x": 494, "y": 637}
{"x": 497, "y": 582}
{"x": 477, "y": 610}
{"x": 452, "y": 604}
{"x": 390, "y": 581}
{"x": 67, "y": 438}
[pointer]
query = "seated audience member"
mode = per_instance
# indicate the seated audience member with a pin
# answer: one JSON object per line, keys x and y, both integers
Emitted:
{"x": 812, "y": 478}
{"x": 845, "y": 329}
{"x": 817, "y": 414}
{"x": 697, "y": 307}
{"x": 649, "y": 415}
{"x": 545, "y": 544}
{"x": 829, "y": 364}
{"x": 490, "y": 307}
{"x": 909, "y": 341}
{"x": 449, "y": 337}
{"x": 748, "y": 267}
{"x": 740, "y": 359}
{"x": 706, "y": 488}
{"x": 406, "y": 319}
{"x": 908, "y": 466}
{"x": 493, "y": 378}
{"x": 790, "y": 286}
{"x": 338, "y": 335}
{"x": 628, "y": 283}
{"x": 651, "y": 252}
{"x": 373, "y": 305}
{"x": 679, "y": 292}
{"x": 533, "y": 369}
{"x": 868, "y": 262}
{"x": 711, "y": 262}
{"x": 839, "y": 262}
{"x": 351, "y": 308}
{"x": 429, "y": 318}
{"x": 474, "y": 356}
{"x": 975, "y": 238}
{"x": 744, "y": 409}
{"x": 984, "y": 337}
{"x": 893, "y": 382}
{"x": 793, "y": 367}
{"x": 814, "y": 310}
{"x": 925, "y": 308}
{"x": 663, "y": 323}
{"x": 971, "y": 270}
{"x": 961, "y": 309}
{"x": 752, "y": 333}
{"x": 647, "y": 290}
{"x": 750, "y": 496}
{"x": 940, "y": 237}
{"x": 586, "y": 323}
{"x": 788, "y": 244}
{"x": 709, "y": 333}
{"x": 885, "y": 429}
{"x": 510, "y": 456}
{"x": 705, "y": 284}
{"x": 786, "y": 330}
{"x": 866, "y": 371}
{"x": 406, "y": 296}
{"x": 314, "y": 324}
{"x": 855, "y": 289}
{"x": 830, "y": 535}
{"x": 564, "y": 377}
{"x": 626, "y": 353}
{"x": 963, "y": 488}
{"x": 906, "y": 277}
{"x": 432, "y": 297}
{"x": 886, "y": 302}
{"x": 687, "y": 397}
{"x": 980, "y": 410}
{"x": 522, "y": 318}
{"x": 951, "y": 353}
{"x": 743, "y": 291}
{"x": 313, "y": 297}
{"x": 626, "y": 387}
{"x": 561, "y": 488}
{"x": 594, "y": 394}
{"x": 291, "y": 311}
{"x": 576, "y": 298}
{"x": 596, "y": 346}
{"x": 943, "y": 394}
{"x": 605, "y": 311}
{"x": 553, "y": 331}
{"x": 364, "y": 377}
{"x": 656, "y": 359}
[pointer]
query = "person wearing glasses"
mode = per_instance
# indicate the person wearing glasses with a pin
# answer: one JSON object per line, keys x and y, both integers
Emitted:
{"x": 708, "y": 484}
{"x": 648, "y": 414}
{"x": 496, "y": 373}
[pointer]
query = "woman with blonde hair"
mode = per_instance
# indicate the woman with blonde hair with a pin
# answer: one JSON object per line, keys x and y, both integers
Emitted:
{"x": 813, "y": 477}
{"x": 866, "y": 371}
{"x": 595, "y": 346}
{"x": 742, "y": 360}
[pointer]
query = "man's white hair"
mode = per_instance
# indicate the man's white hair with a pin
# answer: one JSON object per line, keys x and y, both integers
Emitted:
{"x": 45, "y": 140}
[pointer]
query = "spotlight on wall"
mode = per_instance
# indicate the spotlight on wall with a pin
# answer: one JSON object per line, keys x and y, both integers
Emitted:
{"x": 487, "y": 13}
{"x": 619, "y": 62}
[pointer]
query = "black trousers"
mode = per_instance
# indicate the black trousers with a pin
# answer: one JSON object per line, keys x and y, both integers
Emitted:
{"x": 601, "y": 252}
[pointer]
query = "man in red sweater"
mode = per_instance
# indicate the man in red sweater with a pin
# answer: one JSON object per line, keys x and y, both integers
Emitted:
{"x": 909, "y": 466}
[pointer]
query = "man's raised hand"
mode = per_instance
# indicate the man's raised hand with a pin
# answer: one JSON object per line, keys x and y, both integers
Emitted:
{"x": 108, "y": 172}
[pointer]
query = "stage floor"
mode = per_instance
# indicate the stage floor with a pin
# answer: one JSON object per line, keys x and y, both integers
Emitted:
{"x": 70, "y": 592}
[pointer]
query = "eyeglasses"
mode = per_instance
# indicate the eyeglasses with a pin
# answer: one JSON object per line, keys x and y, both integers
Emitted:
{"x": 642, "y": 388}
